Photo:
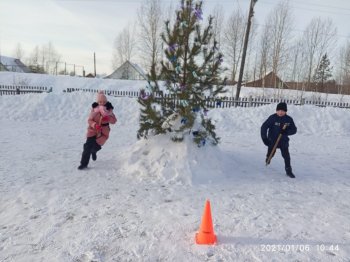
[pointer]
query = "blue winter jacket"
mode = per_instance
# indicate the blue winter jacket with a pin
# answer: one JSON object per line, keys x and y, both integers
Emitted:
{"x": 271, "y": 128}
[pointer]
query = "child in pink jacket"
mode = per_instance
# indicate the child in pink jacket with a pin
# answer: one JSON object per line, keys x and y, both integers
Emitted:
{"x": 100, "y": 117}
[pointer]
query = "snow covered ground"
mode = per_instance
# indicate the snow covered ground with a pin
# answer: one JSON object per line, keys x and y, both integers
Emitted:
{"x": 143, "y": 200}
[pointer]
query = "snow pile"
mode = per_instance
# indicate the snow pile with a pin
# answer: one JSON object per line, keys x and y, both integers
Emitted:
{"x": 161, "y": 160}
{"x": 143, "y": 200}
{"x": 309, "y": 119}
{"x": 62, "y": 82}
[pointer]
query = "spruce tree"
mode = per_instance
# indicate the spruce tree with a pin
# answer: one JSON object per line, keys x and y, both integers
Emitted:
{"x": 191, "y": 71}
{"x": 323, "y": 72}
{"x": 151, "y": 116}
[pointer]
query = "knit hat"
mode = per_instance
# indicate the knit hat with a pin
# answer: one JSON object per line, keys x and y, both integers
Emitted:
{"x": 101, "y": 96}
{"x": 282, "y": 106}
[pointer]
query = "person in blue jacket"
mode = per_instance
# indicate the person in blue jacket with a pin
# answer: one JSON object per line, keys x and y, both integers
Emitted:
{"x": 273, "y": 127}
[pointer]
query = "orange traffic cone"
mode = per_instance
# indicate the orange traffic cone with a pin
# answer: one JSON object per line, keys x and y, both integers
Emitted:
{"x": 206, "y": 236}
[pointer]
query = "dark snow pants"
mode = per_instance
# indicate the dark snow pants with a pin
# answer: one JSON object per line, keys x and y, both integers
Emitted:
{"x": 285, "y": 155}
{"x": 89, "y": 147}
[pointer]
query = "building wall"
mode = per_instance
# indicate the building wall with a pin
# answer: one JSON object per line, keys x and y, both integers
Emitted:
{"x": 3, "y": 68}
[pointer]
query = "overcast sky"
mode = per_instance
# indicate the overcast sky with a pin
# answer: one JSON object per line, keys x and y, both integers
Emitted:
{"x": 78, "y": 28}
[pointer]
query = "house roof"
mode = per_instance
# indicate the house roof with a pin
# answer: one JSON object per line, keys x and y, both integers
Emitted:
{"x": 139, "y": 69}
{"x": 136, "y": 67}
{"x": 269, "y": 80}
{"x": 13, "y": 64}
{"x": 90, "y": 75}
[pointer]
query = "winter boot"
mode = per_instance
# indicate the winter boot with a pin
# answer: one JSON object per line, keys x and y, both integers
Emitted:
{"x": 81, "y": 167}
{"x": 289, "y": 172}
{"x": 93, "y": 156}
{"x": 96, "y": 147}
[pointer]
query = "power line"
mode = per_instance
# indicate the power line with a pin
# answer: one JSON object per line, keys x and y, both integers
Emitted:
{"x": 303, "y": 31}
{"x": 228, "y": 1}
{"x": 320, "y": 5}
{"x": 311, "y": 9}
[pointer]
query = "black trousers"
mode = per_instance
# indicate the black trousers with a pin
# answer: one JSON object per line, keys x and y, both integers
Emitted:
{"x": 285, "y": 155}
{"x": 89, "y": 147}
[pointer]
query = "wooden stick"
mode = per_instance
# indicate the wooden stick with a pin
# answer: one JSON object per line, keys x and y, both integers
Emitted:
{"x": 268, "y": 160}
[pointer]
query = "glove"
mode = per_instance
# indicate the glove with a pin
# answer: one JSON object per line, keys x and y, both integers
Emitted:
{"x": 266, "y": 141}
{"x": 97, "y": 127}
{"x": 283, "y": 131}
{"x": 105, "y": 118}
{"x": 94, "y": 105}
{"x": 108, "y": 106}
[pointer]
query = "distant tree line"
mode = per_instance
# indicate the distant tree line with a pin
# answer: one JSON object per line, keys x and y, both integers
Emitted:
{"x": 42, "y": 59}
{"x": 45, "y": 59}
{"x": 273, "y": 46}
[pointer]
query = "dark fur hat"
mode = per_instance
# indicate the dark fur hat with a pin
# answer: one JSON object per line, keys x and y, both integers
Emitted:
{"x": 282, "y": 106}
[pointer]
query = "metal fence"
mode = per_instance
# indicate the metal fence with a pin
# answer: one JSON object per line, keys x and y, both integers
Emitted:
{"x": 22, "y": 89}
{"x": 223, "y": 102}
{"x": 219, "y": 102}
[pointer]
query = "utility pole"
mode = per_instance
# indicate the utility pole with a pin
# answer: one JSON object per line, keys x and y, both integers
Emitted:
{"x": 246, "y": 38}
{"x": 95, "y": 64}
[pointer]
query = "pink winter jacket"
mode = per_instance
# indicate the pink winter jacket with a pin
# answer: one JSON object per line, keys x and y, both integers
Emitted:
{"x": 95, "y": 118}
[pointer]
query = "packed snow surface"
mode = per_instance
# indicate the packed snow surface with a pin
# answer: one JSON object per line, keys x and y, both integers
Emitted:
{"x": 142, "y": 200}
